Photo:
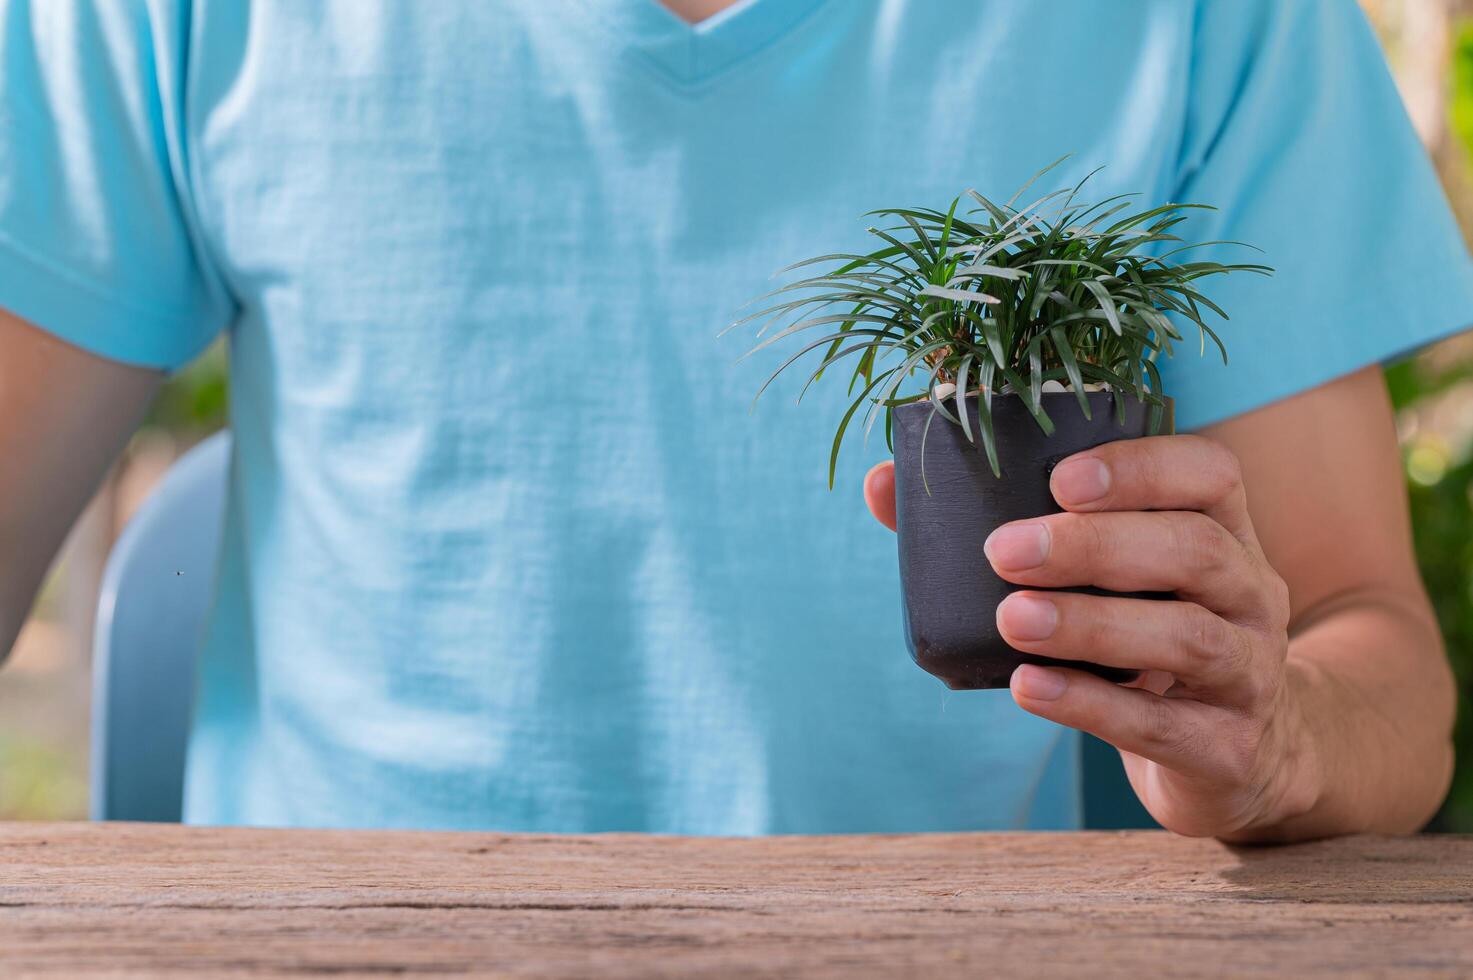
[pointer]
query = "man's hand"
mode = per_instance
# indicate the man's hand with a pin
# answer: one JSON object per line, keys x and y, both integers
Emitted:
{"x": 1209, "y": 735}
{"x": 1232, "y": 731}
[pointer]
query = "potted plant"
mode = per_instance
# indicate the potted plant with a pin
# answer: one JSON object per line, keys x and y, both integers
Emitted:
{"x": 993, "y": 344}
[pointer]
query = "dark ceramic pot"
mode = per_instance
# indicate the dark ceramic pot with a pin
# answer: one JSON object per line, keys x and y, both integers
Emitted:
{"x": 950, "y": 593}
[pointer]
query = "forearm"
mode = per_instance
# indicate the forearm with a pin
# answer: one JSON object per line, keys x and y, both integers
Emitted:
{"x": 1371, "y": 707}
{"x": 64, "y": 416}
{"x": 15, "y": 595}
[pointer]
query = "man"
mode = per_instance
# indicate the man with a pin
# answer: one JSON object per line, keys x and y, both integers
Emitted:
{"x": 504, "y": 547}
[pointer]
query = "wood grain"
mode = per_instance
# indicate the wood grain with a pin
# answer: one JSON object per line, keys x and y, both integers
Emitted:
{"x": 142, "y": 900}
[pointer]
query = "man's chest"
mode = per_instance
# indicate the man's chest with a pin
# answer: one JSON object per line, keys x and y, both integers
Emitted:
{"x": 366, "y": 167}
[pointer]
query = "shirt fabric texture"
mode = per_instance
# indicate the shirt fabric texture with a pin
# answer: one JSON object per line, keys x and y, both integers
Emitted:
{"x": 505, "y": 547}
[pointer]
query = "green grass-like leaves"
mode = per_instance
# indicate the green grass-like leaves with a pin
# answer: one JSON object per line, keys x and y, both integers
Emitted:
{"x": 997, "y": 299}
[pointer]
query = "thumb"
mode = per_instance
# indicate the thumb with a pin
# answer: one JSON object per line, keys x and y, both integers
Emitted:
{"x": 879, "y": 492}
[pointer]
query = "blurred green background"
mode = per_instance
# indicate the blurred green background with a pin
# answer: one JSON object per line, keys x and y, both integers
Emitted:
{"x": 43, "y": 692}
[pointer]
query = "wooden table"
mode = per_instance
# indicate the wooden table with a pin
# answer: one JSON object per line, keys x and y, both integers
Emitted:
{"x": 140, "y": 900}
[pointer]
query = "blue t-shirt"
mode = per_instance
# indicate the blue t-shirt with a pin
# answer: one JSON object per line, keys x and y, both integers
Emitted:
{"x": 505, "y": 547}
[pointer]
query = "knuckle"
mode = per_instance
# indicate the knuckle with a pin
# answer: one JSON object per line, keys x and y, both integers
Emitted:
{"x": 1201, "y": 543}
{"x": 1083, "y": 540}
{"x": 1259, "y": 688}
{"x": 1265, "y": 599}
{"x": 1101, "y": 543}
{"x": 1122, "y": 452}
{"x": 1245, "y": 677}
{"x": 1277, "y": 601}
{"x": 1217, "y": 652}
{"x": 1158, "y": 723}
{"x": 1239, "y": 668}
{"x": 1091, "y": 627}
{"x": 1200, "y": 636}
{"x": 1148, "y": 465}
{"x": 1135, "y": 465}
{"x": 1224, "y": 471}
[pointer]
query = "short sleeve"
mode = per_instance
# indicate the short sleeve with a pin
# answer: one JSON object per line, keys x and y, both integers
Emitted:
{"x": 99, "y": 242}
{"x": 1296, "y": 133}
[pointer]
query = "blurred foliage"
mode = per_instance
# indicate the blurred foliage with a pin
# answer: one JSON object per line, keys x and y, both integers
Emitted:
{"x": 1460, "y": 109}
{"x": 41, "y": 781}
{"x": 1441, "y": 494}
{"x": 193, "y": 402}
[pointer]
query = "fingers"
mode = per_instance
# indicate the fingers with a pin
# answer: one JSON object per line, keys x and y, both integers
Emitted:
{"x": 879, "y": 492}
{"x": 1204, "y": 652}
{"x": 1174, "y": 732}
{"x": 1182, "y": 552}
{"x": 1157, "y": 473}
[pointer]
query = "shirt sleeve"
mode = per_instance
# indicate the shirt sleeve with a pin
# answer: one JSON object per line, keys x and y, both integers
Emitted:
{"x": 1296, "y": 133}
{"x": 99, "y": 240}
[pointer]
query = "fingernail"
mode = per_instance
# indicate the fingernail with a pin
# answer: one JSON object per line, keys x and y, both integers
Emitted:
{"x": 1016, "y": 547}
{"x": 1026, "y": 617}
{"x": 1080, "y": 480}
{"x": 1039, "y": 683}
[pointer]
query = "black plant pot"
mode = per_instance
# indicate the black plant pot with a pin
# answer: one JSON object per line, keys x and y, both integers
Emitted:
{"x": 950, "y": 593}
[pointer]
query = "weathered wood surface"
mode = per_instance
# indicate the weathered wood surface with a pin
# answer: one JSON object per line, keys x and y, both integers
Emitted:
{"x": 134, "y": 900}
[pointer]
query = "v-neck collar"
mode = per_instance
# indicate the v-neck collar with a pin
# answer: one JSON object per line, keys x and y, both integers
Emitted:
{"x": 692, "y": 53}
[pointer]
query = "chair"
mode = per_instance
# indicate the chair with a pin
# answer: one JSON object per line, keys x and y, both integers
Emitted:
{"x": 1109, "y": 802}
{"x": 156, "y": 591}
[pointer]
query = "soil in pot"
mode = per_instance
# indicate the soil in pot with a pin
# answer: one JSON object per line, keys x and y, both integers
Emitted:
{"x": 949, "y": 592}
